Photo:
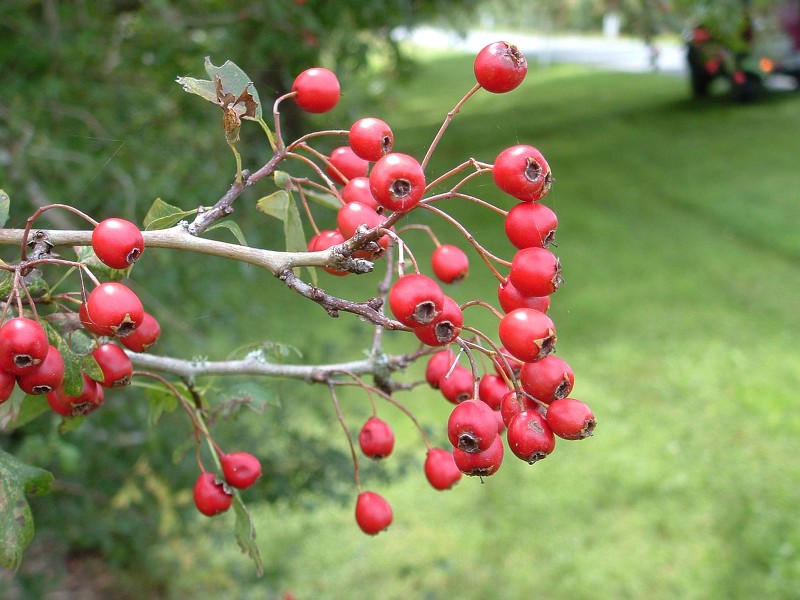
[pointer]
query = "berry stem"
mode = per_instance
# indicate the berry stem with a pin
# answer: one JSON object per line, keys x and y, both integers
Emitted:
{"x": 340, "y": 417}
{"x": 39, "y": 212}
{"x": 424, "y": 228}
{"x": 446, "y": 123}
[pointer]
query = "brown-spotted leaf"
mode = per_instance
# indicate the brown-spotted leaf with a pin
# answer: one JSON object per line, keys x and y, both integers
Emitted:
{"x": 235, "y": 82}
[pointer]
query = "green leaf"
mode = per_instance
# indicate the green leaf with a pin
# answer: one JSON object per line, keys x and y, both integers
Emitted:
{"x": 159, "y": 401}
{"x": 282, "y": 206}
{"x": 233, "y": 226}
{"x": 16, "y": 520}
{"x": 237, "y": 89}
{"x": 246, "y": 534}
{"x": 162, "y": 215}
{"x": 73, "y": 363}
{"x": 326, "y": 200}
{"x": 31, "y": 408}
{"x": 235, "y": 81}
{"x": 5, "y": 205}
{"x": 70, "y": 424}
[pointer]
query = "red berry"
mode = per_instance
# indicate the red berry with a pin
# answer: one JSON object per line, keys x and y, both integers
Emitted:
{"x": 114, "y": 363}
{"x": 514, "y": 403}
{"x": 88, "y": 400}
{"x": 441, "y": 470}
{"x": 491, "y": 390}
{"x": 449, "y": 263}
{"x": 500, "y": 67}
{"x": 241, "y": 469}
{"x": 397, "y": 182}
{"x": 511, "y": 298}
{"x": 144, "y": 336}
{"x": 211, "y": 496}
{"x": 416, "y": 300}
{"x": 7, "y": 383}
{"x": 317, "y": 90}
{"x": 353, "y": 215}
{"x": 522, "y": 172}
{"x": 324, "y": 240}
{"x": 45, "y": 377}
{"x": 548, "y": 379}
{"x": 570, "y": 419}
{"x": 373, "y": 513}
{"x": 438, "y": 366}
{"x": 114, "y": 309}
{"x": 371, "y": 138}
{"x": 530, "y": 437}
{"x": 527, "y": 334}
{"x": 23, "y": 345}
{"x": 444, "y": 328}
{"x": 480, "y": 464}
{"x": 357, "y": 190}
{"x": 117, "y": 243}
{"x": 471, "y": 426}
{"x": 458, "y": 386}
{"x": 531, "y": 224}
{"x": 535, "y": 272}
{"x": 345, "y": 165}
{"x": 376, "y": 438}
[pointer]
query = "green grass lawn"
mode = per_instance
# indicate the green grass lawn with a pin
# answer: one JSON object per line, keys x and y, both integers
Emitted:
{"x": 679, "y": 241}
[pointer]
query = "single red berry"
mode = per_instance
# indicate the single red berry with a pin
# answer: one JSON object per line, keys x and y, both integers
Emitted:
{"x": 530, "y": 224}
{"x": 357, "y": 190}
{"x": 397, "y": 182}
{"x": 548, "y": 379}
{"x": 113, "y": 308}
{"x": 317, "y": 90}
{"x": 449, "y": 263}
{"x": 45, "y": 377}
{"x": 117, "y": 368}
{"x": 511, "y": 298}
{"x": 7, "y": 383}
{"x": 438, "y": 366}
{"x": 144, "y": 336}
{"x": 471, "y": 426}
{"x": 345, "y": 165}
{"x": 458, "y": 385}
{"x": 87, "y": 401}
{"x": 376, "y": 438}
{"x": 416, "y": 300}
{"x": 23, "y": 345}
{"x": 90, "y": 325}
{"x": 514, "y": 403}
{"x": 373, "y": 513}
{"x": 530, "y": 437}
{"x": 480, "y": 464}
{"x": 491, "y": 390}
{"x": 353, "y": 215}
{"x": 527, "y": 334}
{"x": 500, "y": 67}
{"x": 571, "y": 419}
{"x": 211, "y": 496}
{"x": 535, "y": 272}
{"x": 522, "y": 172}
{"x": 371, "y": 138}
{"x": 117, "y": 243}
{"x": 324, "y": 240}
{"x": 441, "y": 470}
{"x": 241, "y": 469}
{"x": 444, "y": 328}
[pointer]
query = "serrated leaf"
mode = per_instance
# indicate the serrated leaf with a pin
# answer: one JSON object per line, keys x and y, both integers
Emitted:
{"x": 5, "y": 206}
{"x": 159, "y": 401}
{"x": 16, "y": 520}
{"x": 246, "y": 534}
{"x": 162, "y": 215}
{"x": 234, "y": 228}
{"x": 73, "y": 377}
{"x": 282, "y": 206}
{"x": 236, "y": 82}
{"x": 91, "y": 368}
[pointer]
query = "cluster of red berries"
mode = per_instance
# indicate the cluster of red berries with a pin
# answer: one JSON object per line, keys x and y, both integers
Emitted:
{"x": 111, "y": 311}
{"x": 212, "y": 495}
{"x": 527, "y": 395}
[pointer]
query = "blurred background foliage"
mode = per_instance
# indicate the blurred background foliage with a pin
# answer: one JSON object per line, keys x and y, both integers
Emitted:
{"x": 658, "y": 197}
